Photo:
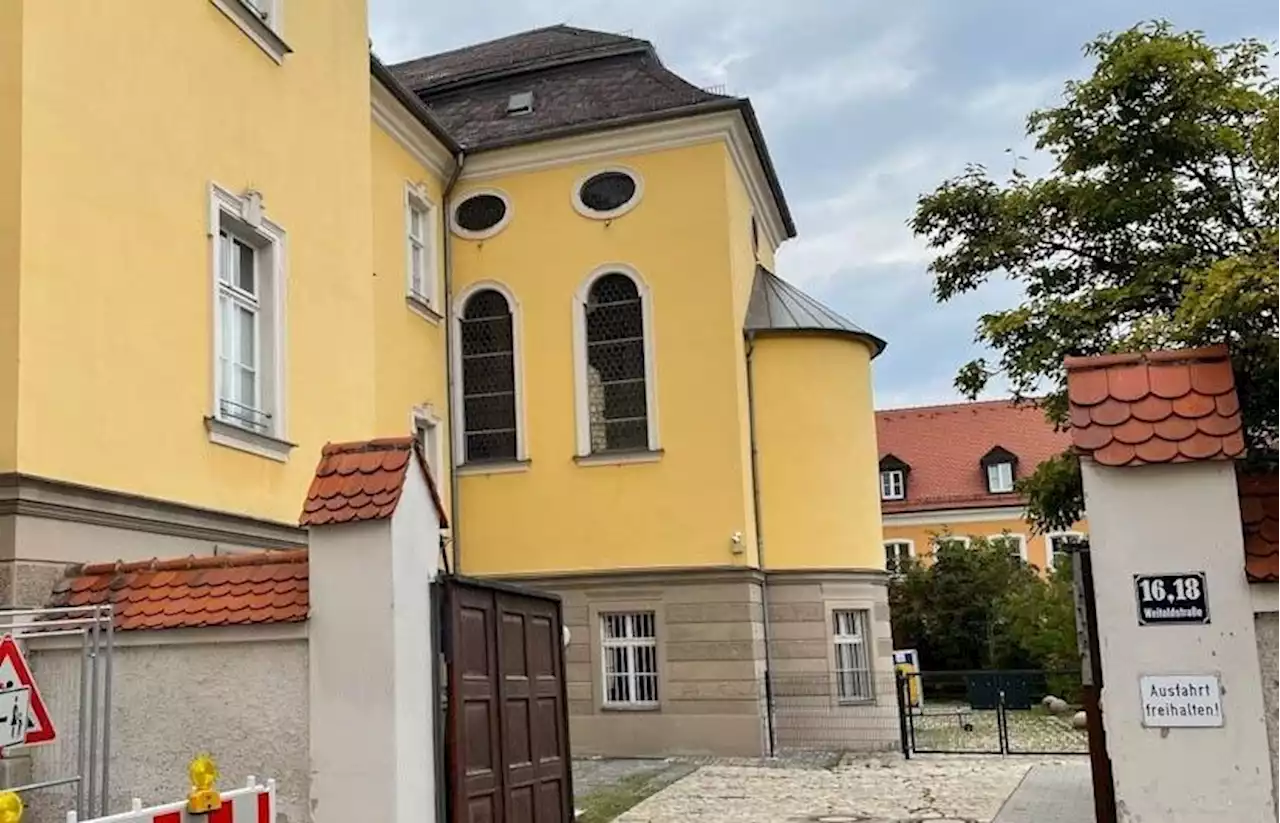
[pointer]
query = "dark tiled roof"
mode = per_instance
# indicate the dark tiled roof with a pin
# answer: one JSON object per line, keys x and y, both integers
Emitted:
{"x": 778, "y": 306}
{"x": 1155, "y": 407}
{"x": 363, "y": 481}
{"x": 190, "y": 592}
{"x": 529, "y": 49}
{"x": 581, "y": 80}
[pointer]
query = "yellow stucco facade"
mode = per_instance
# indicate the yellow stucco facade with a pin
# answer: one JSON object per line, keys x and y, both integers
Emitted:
{"x": 920, "y": 534}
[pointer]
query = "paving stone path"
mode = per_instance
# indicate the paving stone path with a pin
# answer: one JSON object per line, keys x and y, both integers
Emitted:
{"x": 939, "y": 789}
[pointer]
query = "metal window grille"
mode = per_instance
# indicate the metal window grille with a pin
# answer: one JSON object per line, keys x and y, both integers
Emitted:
{"x": 488, "y": 378}
{"x": 240, "y": 333}
{"x": 891, "y": 485}
{"x": 630, "y": 645}
{"x": 617, "y": 392}
{"x": 853, "y": 664}
{"x": 1000, "y": 477}
{"x": 896, "y": 554}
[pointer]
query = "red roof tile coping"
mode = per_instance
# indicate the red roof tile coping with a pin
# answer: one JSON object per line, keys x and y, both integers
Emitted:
{"x": 1155, "y": 407}
{"x": 1259, "y": 506}
{"x": 192, "y": 592}
{"x": 363, "y": 480}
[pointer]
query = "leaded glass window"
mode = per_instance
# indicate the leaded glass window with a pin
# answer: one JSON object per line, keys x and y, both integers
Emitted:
{"x": 488, "y": 378}
{"x": 617, "y": 391}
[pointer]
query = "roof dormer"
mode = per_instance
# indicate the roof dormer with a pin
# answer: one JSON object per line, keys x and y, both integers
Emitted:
{"x": 893, "y": 478}
{"x": 1001, "y": 469}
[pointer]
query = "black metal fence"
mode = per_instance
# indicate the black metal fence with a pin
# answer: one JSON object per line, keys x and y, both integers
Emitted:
{"x": 820, "y": 713}
{"x": 991, "y": 712}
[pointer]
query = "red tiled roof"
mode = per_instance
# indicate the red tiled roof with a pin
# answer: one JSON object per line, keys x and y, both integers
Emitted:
{"x": 1259, "y": 499}
{"x": 222, "y": 590}
{"x": 944, "y": 444}
{"x": 362, "y": 481}
{"x": 1155, "y": 407}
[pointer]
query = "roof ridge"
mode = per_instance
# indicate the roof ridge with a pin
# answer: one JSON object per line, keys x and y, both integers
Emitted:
{"x": 266, "y": 557}
{"x": 1029, "y": 402}
{"x": 380, "y": 444}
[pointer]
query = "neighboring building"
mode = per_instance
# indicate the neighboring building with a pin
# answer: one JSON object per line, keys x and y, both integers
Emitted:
{"x": 547, "y": 256}
{"x": 948, "y": 472}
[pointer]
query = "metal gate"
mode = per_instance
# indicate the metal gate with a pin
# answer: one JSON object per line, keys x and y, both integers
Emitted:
{"x": 990, "y": 712}
{"x": 507, "y": 751}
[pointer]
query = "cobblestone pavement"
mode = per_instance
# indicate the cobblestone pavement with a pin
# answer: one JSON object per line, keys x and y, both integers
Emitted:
{"x": 941, "y": 789}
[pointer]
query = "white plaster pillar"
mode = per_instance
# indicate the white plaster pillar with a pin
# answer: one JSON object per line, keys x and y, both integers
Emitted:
{"x": 372, "y": 686}
{"x": 1168, "y": 519}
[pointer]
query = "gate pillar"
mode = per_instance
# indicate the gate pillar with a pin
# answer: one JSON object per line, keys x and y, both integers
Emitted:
{"x": 375, "y": 521}
{"x": 1182, "y": 696}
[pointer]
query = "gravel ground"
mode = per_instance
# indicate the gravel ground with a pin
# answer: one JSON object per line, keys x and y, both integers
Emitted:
{"x": 871, "y": 790}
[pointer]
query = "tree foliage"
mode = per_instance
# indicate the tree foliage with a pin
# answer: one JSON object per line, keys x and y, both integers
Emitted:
{"x": 977, "y": 607}
{"x": 1155, "y": 228}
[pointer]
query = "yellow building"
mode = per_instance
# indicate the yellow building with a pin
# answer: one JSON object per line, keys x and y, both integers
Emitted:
{"x": 547, "y": 255}
{"x": 948, "y": 473}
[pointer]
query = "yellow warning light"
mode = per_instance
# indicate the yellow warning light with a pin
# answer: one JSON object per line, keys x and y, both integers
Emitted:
{"x": 204, "y": 797}
{"x": 10, "y": 807}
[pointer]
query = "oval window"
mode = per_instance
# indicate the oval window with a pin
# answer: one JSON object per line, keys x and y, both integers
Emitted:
{"x": 480, "y": 213}
{"x": 607, "y": 193}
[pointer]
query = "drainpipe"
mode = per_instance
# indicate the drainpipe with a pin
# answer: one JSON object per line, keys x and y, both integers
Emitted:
{"x": 450, "y": 376}
{"x": 759, "y": 521}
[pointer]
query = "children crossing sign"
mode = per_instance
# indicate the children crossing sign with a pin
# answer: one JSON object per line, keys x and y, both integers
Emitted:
{"x": 23, "y": 717}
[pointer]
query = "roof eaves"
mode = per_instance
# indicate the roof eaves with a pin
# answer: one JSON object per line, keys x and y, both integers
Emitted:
{"x": 411, "y": 102}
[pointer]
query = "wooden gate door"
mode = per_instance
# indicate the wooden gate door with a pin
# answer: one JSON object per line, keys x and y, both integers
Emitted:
{"x": 508, "y": 715}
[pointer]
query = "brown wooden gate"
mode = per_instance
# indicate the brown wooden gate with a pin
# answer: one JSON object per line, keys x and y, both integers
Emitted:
{"x": 508, "y": 724}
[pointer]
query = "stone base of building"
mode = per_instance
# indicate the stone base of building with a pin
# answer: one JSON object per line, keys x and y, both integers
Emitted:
{"x": 711, "y": 660}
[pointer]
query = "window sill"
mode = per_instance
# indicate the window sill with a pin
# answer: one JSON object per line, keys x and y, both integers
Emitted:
{"x": 237, "y": 437}
{"x": 496, "y": 467}
{"x": 419, "y": 306}
{"x": 619, "y": 458}
{"x": 641, "y": 707}
{"x": 255, "y": 28}
{"x": 854, "y": 702}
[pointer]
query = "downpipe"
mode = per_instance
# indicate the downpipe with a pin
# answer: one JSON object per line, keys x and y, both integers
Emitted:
{"x": 759, "y": 522}
{"x": 451, "y": 415}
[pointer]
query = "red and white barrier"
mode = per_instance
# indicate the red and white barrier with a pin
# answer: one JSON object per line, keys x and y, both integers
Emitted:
{"x": 255, "y": 803}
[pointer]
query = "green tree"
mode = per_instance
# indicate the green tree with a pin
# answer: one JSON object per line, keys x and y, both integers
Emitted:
{"x": 1157, "y": 227}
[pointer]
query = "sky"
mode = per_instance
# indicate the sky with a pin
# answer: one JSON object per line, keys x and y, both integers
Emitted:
{"x": 865, "y": 106}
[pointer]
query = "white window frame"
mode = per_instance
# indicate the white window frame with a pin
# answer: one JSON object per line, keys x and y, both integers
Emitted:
{"x": 425, "y": 420}
{"x": 911, "y": 550}
{"x": 517, "y": 356}
{"x": 962, "y": 539}
{"x": 996, "y": 472}
{"x": 1048, "y": 544}
{"x": 1021, "y": 538}
{"x": 582, "y": 412}
{"x": 424, "y": 300}
{"x": 887, "y": 488}
{"x": 575, "y": 196}
{"x": 859, "y": 641}
{"x": 262, "y": 21}
{"x": 241, "y": 215}
{"x": 630, "y": 645}
{"x": 466, "y": 234}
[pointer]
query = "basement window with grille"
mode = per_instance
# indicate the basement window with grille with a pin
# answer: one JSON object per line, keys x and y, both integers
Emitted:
{"x": 614, "y": 368}
{"x": 853, "y": 660}
{"x": 481, "y": 215}
{"x": 606, "y": 194}
{"x": 490, "y": 383}
{"x": 629, "y": 642}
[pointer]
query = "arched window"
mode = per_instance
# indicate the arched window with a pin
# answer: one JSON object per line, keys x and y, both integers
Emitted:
{"x": 615, "y": 366}
{"x": 490, "y": 402}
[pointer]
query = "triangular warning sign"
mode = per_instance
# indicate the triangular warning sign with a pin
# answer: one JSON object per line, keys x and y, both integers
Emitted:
{"x": 14, "y": 673}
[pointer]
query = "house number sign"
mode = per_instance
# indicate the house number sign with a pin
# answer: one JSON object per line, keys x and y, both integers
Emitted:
{"x": 1171, "y": 599}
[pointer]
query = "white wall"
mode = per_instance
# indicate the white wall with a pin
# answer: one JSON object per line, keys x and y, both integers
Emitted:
{"x": 238, "y": 693}
{"x": 1169, "y": 519}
